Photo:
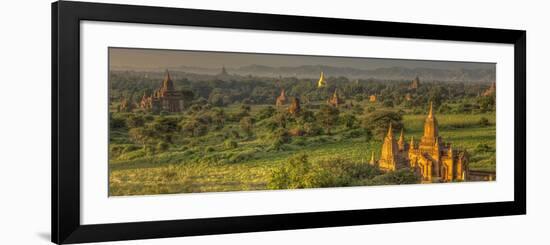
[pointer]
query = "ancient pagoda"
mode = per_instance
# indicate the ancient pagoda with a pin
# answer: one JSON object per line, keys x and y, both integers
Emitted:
{"x": 491, "y": 90}
{"x": 294, "y": 107}
{"x": 125, "y": 105}
{"x": 415, "y": 83}
{"x": 146, "y": 102}
{"x": 281, "y": 100}
{"x": 372, "y": 98}
{"x": 322, "y": 83}
{"x": 165, "y": 98}
{"x": 335, "y": 100}
{"x": 389, "y": 160}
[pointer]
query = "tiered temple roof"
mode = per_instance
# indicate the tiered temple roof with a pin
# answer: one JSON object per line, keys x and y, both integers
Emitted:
{"x": 389, "y": 157}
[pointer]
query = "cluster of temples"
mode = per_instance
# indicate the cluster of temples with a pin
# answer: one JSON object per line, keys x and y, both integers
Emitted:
{"x": 334, "y": 100}
{"x": 293, "y": 108}
{"x": 433, "y": 159}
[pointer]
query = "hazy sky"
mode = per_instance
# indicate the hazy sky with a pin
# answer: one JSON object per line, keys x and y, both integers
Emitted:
{"x": 158, "y": 58}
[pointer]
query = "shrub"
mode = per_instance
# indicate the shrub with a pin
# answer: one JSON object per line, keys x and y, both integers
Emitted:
{"x": 328, "y": 117}
{"x": 242, "y": 156}
{"x": 370, "y": 109}
{"x": 162, "y": 146}
{"x": 218, "y": 118}
{"x": 117, "y": 122}
{"x": 141, "y": 135}
{"x": 279, "y": 138}
{"x": 349, "y": 121}
{"x": 445, "y": 108}
{"x": 347, "y": 173}
{"x": 115, "y": 150}
{"x": 296, "y": 132}
{"x": 134, "y": 121}
{"x": 388, "y": 103}
{"x": 132, "y": 155}
{"x": 356, "y": 133}
{"x": 300, "y": 141}
{"x": 463, "y": 108}
{"x": 299, "y": 172}
{"x": 292, "y": 175}
{"x": 280, "y": 119}
{"x": 195, "y": 127}
{"x": 486, "y": 103}
{"x": 483, "y": 122}
{"x": 281, "y": 135}
{"x": 320, "y": 139}
{"x": 483, "y": 148}
{"x": 307, "y": 116}
{"x": 247, "y": 123}
{"x": 230, "y": 144}
{"x": 149, "y": 150}
{"x": 398, "y": 177}
{"x": 312, "y": 129}
{"x": 165, "y": 127}
{"x": 266, "y": 113}
{"x": 379, "y": 121}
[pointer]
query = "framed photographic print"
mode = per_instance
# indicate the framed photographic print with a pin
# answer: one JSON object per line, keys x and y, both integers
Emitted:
{"x": 176, "y": 122}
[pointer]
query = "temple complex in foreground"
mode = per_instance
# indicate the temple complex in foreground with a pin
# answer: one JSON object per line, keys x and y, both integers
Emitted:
{"x": 433, "y": 159}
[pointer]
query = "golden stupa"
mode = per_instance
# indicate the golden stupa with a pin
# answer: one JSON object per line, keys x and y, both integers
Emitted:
{"x": 322, "y": 82}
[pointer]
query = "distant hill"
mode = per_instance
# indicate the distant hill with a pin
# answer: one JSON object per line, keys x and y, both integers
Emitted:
{"x": 309, "y": 71}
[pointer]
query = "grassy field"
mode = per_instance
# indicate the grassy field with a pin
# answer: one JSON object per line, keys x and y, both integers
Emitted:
{"x": 204, "y": 164}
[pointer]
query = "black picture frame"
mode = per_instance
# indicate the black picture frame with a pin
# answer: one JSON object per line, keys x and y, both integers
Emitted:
{"x": 66, "y": 18}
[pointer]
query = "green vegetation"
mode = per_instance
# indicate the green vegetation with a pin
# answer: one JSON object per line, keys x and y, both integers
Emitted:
{"x": 232, "y": 138}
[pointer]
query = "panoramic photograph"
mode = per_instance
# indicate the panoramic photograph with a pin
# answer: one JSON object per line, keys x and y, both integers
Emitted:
{"x": 201, "y": 121}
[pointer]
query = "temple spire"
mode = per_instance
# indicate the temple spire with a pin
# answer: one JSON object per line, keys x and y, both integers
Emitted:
{"x": 431, "y": 114}
{"x": 412, "y": 143}
{"x": 401, "y": 141}
{"x": 322, "y": 82}
{"x": 390, "y": 131}
{"x": 167, "y": 83}
{"x": 389, "y": 157}
{"x": 167, "y": 75}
